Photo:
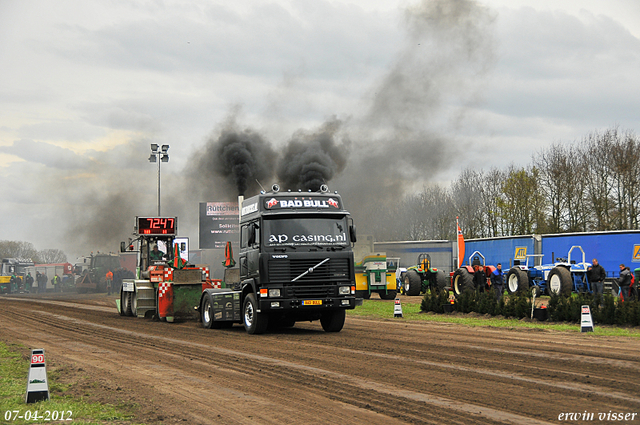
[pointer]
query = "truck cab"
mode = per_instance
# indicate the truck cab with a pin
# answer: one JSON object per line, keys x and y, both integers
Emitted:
{"x": 295, "y": 261}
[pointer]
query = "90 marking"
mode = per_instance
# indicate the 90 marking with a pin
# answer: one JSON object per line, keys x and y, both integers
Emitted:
{"x": 48, "y": 415}
{"x": 37, "y": 358}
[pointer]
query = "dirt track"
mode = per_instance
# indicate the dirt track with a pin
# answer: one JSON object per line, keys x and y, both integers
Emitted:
{"x": 373, "y": 372}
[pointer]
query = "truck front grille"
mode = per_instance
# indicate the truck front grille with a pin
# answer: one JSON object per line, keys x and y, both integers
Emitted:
{"x": 310, "y": 291}
{"x": 284, "y": 271}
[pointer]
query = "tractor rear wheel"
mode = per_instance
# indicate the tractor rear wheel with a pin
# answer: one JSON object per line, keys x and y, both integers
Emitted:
{"x": 412, "y": 283}
{"x": 441, "y": 281}
{"x": 559, "y": 282}
{"x": 389, "y": 295}
{"x": 517, "y": 280}
{"x": 462, "y": 281}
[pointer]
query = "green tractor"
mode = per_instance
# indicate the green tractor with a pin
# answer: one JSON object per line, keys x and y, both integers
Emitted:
{"x": 417, "y": 279}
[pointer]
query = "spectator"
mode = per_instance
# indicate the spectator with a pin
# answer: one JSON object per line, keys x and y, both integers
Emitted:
{"x": 480, "y": 279}
{"x": 28, "y": 280}
{"x": 497, "y": 281}
{"x": 624, "y": 281}
{"x": 596, "y": 276}
{"x": 13, "y": 282}
{"x": 109, "y": 277}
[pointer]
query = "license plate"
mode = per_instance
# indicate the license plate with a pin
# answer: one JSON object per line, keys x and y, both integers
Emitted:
{"x": 312, "y": 302}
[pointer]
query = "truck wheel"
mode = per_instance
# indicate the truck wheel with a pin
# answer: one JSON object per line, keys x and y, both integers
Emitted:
{"x": 462, "y": 281}
{"x": 517, "y": 280}
{"x": 389, "y": 295}
{"x": 441, "y": 281}
{"x": 134, "y": 303}
{"x": 559, "y": 281}
{"x": 125, "y": 303}
{"x": 333, "y": 321}
{"x": 254, "y": 322}
{"x": 122, "y": 312}
{"x": 412, "y": 283}
{"x": 206, "y": 312}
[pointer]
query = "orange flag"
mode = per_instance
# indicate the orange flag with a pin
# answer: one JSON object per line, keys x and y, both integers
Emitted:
{"x": 178, "y": 262}
{"x": 228, "y": 256}
{"x": 460, "y": 245}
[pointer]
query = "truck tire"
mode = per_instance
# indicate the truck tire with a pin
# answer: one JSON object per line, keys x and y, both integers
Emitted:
{"x": 517, "y": 280}
{"x": 462, "y": 281}
{"x": 442, "y": 281}
{"x": 389, "y": 295}
{"x": 207, "y": 317}
{"x": 134, "y": 303}
{"x": 333, "y": 321}
{"x": 254, "y": 323}
{"x": 206, "y": 312}
{"x": 559, "y": 282}
{"x": 125, "y": 303}
{"x": 412, "y": 283}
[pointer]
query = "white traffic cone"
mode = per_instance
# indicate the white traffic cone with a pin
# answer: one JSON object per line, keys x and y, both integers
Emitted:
{"x": 37, "y": 384}
{"x": 397, "y": 308}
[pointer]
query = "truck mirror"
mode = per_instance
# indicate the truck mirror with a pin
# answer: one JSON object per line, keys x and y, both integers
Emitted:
{"x": 123, "y": 247}
{"x": 352, "y": 233}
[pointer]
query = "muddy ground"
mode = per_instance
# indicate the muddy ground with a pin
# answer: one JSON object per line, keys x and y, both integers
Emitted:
{"x": 373, "y": 372}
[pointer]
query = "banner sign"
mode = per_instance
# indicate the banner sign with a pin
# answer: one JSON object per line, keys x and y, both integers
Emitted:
{"x": 219, "y": 223}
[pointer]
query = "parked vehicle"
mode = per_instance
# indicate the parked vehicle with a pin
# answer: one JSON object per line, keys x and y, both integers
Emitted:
{"x": 563, "y": 277}
{"x": 421, "y": 277}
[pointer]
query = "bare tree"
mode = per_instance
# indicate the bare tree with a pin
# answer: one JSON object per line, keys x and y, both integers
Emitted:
{"x": 466, "y": 193}
{"x": 521, "y": 204}
{"x": 51, "y": 256}
{"x": 491, "y": 196}
{"x": 598, "y": 178}
{"x": 18, "y": 249}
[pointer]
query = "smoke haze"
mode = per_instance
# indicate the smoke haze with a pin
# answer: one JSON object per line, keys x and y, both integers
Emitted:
{"x": 402, "y": 138}
{"x": 311, "y": 160}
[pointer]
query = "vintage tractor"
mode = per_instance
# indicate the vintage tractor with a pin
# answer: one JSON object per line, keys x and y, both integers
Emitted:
{"x": 463, "y": 278}
{"x": 417, "y": 279}
{"x": 560, "y": 278}
{"x": 376, "y": 273}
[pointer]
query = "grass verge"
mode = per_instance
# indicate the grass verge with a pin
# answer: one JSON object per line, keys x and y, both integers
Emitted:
{"x": 14, "y": 370}
{"x": 411, "y": 312}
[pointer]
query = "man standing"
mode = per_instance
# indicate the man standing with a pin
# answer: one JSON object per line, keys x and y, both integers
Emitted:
{"x": 480, "y": 279}
{"x": 109, "y": 277}
{"x": 624, "y": 281}
{"x": 497, "y": 281}
{"x": 596, "y": 275}
{"x": 28, "y": 282}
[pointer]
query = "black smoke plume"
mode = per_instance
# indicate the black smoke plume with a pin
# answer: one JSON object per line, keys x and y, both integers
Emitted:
{"x": 244, "y": 157}
{"x": 311, "y": 160}
{"x": 233, "y": 163}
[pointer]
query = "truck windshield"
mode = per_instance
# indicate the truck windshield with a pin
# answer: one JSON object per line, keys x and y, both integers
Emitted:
{"x": 311, "y": 231}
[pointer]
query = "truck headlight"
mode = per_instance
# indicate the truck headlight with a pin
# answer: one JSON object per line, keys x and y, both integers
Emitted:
{"x": 344, "y": 290}
{"x": 274, "y": 293}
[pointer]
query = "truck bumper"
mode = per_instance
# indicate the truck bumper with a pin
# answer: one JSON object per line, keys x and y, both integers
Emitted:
{"x": 290, "y": 305}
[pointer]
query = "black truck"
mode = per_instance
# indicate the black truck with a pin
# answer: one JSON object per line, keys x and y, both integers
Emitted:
{"x": 295, "y": 264}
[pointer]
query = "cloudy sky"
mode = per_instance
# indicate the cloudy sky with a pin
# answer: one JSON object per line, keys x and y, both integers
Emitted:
{"x": 419, "y": 90}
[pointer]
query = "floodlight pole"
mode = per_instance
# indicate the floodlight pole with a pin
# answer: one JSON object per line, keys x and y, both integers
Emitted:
{"x": 158, "y": 186}
{"x": 159, "y": 154}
